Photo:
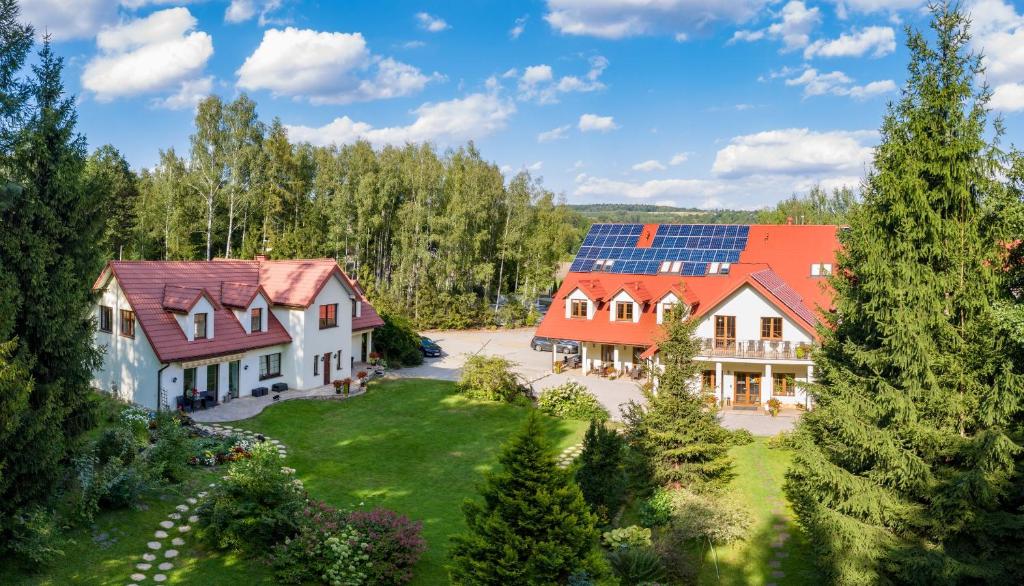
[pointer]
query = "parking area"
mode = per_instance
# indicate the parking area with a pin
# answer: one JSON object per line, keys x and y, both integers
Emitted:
{"x": 535, "y": 368}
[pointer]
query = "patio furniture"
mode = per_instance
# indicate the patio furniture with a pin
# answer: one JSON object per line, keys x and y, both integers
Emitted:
{"x": 181, "y": 403}
{"x": 635, "y": 373}
{"x": 260, "y": 391}
{"x": 278, "y": 387}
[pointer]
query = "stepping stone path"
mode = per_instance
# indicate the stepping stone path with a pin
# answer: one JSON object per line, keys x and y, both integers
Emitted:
{"x": 778, "y": 534}
{"x": 565, "y": 459}
{"x": 182, "y": 531}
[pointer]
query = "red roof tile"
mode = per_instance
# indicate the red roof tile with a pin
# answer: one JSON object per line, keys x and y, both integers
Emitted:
{"x": 239, "y": 295}
{"x": 181, "y": 299}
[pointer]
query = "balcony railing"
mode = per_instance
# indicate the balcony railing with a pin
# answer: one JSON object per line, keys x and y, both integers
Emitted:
{"x": 767, "y": 349}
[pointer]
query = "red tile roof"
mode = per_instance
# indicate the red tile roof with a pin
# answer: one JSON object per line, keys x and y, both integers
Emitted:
{"x": 776, "y": 262}
{"x": 152, "y": 286}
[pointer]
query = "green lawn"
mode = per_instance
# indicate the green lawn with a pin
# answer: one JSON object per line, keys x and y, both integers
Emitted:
{"x": 413, "y": 446}
{"x": 760, "y": 472}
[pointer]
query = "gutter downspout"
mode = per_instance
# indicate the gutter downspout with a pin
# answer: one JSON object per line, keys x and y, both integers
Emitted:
{"x": 159, "y": 384}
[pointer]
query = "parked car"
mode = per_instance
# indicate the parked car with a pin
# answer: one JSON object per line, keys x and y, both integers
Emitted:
{"x": 541, "y": 344}
{"x": 429, "y": 348}
{"x": 568, "y": 347}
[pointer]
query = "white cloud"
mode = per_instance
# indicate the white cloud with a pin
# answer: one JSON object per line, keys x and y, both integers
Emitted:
{"x": 69, "y": 19}
{"x": 243, "y": 10}
{"x": 147, "y": 55}
{"x": 593, "y": 122}
{"x": 843, "y": 7}
{"x": 838, "y": 83}
{"x": 413, "y": 45}
{"x": 554, "y": 134}
{"x": 648, "y": 166}
{"x": 537, "y": 166}
{"x": 793, "y": 28}
{"x": 472, "y": 117}
{"x": 519, "y": 27}
{"x": 679, "y": 159}
{"x": 617, "y": 19}
{"x": 587, "y": 185}
{"x": 1008, "y": 97}
{"x": 879, "y": 41}
{"x": 189, "y": 93}
{"x": 538, "y": 81}
{"x": 431, "y": 23}
{"x": 326, "y": 68}
{"x": 671, "y": 203}
{"x": 795, "y": 151}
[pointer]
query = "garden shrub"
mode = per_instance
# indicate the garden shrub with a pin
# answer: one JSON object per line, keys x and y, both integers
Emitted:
{"x": 657, "y": 509}
{"x": 395, "y": 544}
{"x": 741, "y": 437}
{"x": 168, "y": 458}
{"x": 117, "y": 443}
{"x": 571, "y": 401}
{"x": 698, "y": 517}
{"x": 632, "y": 536}
{"x": 489, "y": 378}
{"x": 636, "y": 565}
{"x": 345, "y": 559}
{"x": 600, "y": 471}
{"x": 257, "y": 505}
{"x": 781, "y": 440}
{"x": 397, "y": 342}
{"x": 136, "y": 420}
{"x": 300, "y": 558}
{"x": 86, "y": 487}
{"x": 35, "y": 537}
{"x": 122, "y": 485}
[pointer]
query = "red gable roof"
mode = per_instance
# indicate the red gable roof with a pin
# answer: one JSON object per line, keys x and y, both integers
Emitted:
{"x": 776, "y": 262}
{"x": 156, "y": 289}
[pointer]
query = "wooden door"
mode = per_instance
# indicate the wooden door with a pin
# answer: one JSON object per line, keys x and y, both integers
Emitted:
{"x": 327, "y": 368}
{"x": 748, "y": 388}
{"x": 725, "y": 332}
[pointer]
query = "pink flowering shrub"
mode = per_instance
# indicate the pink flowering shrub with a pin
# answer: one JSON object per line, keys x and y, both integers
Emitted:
{"x": 395, "y": 544}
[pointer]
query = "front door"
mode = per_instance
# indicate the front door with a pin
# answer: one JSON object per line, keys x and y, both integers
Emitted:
{"x": 327, "y": 368}
{"x": 233, "y": 379}
{"x": 748, "y": 388}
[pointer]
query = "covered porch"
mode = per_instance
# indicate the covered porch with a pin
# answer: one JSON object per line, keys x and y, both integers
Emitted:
{"x": 750, "y": 385}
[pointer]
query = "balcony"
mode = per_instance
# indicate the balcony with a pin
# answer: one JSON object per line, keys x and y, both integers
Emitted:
{"x": 764, "y": 349}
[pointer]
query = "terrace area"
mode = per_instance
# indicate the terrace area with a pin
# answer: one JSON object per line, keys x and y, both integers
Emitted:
{"x": 764, "y": 349}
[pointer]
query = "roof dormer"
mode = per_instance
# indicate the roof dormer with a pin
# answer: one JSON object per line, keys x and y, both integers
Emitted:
{"x": 248, "y": 303}
{"x": 193, "y": 309}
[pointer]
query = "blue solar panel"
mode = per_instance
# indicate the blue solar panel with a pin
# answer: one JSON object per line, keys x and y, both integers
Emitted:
{"x": 694, "y": 245}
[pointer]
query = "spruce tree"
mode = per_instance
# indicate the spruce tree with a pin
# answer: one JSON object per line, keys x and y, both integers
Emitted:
{"x": 677, "y": 431}
{"x": 48, "y": 251}
{"x": 601, "y": 475}
{"x": 903, "y": 472}
{"x": 533, "y": 526}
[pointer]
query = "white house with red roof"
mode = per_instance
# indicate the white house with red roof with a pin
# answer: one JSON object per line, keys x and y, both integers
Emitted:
{"x": 757, "y": 290}
{"x": 227, "y": 327}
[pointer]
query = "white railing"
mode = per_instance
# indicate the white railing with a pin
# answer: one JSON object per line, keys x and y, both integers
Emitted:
{"x": 767, "y": 349}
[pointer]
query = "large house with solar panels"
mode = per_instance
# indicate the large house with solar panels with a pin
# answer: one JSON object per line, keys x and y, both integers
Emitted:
{"x": 756, "y": 290}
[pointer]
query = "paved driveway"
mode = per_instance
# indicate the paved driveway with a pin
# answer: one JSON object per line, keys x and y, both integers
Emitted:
{"x": 535, "y": 368}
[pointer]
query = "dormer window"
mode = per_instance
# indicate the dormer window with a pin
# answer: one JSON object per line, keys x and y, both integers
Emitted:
{"x": 624, "y": 311}
{"x": 200, "y": 326}
{"x": 719, "y": 268}
{"x": 603, "y": 265}
{"x": 256, "y": 320}
{"x": 579, "y": 309}
{"x": 821, "y": 269}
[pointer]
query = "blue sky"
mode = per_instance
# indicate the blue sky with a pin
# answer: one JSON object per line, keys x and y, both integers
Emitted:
{"x": 686, "y": 102}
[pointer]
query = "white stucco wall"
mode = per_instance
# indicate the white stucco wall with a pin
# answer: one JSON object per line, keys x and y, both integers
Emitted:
{"x": 577, "y": 294}
{"x": 623, "y": 297}
{"x": 188, "y": 321}
{"x": 243, "y": 316}
{"x": 749, "y": 306}
{"x": 668, "y": 300}
{"x": 308, "y": 340}
{"x": 357, "y": 341}
{"x": 128, "y": 363}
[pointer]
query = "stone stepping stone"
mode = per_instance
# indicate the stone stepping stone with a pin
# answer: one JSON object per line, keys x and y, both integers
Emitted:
{"x": 784, "y": 535}
{"x": 177, "y": 541}
{"x": 159, "y": 578}
{"x": 193, "y": 519}
{"x": 778, "y": 574}
{"x": 167, "y": 524}
{"x": 171, "y": 553}
{"x": 782, "y": 554}
{"x": 138, "y": 577}
{"x": 779, "y": 527}
{"x": 154, "y": 545}
{"x": 143, "y": 567}
{"x": 191, "y": 501}
{"x": 182, "y": 508}
{"x": 165, "y": 566}
{"x": 774, "y": 564}
{"x": 160, "y": 534}
{"x": 175, "y": 516}
{"x": 275, "y": 442}
{"x": 213, "y": 484}
{"x": 148, "y": 557}
{"x": 203, "y": 494}
{"x": 777, "y": 544}
{"x": 184, "y": 529}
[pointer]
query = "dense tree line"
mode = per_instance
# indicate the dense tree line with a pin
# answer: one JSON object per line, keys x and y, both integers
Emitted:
{"x": 434, "y": 236}
{"x": 818, "y": 206}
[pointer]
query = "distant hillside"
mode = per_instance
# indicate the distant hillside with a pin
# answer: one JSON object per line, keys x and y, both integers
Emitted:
{"x": 655, "y": 214}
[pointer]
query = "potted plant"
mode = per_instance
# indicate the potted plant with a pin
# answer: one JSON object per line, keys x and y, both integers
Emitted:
{"x": 361, "y": 378}
{"x": 558, "y": 368}
{"x": 773, "y": 406}
{"x": 337, "y": 386}
{"x": 374, "y": 357}
{"x": 347, "y": 384}
{"x": 801, "y": 352}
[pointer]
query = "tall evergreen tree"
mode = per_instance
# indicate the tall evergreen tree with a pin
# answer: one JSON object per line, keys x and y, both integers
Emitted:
{"x": 48, "y": 248}
{"x": 904, "y": 472}
{"x": 533, "y": 526}
{"x": 601, "y": 475}
{"x": 677, "y": 430}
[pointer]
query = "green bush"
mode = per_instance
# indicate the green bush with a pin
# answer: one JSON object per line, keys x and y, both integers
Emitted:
{"x": 256, "y": 506}
{"x": 600, "y": 471}
{"x": 656, "y": 510}
{"x": 637, "y": 565}
{"x": 489, "y": 378}
{"x": 397, "y": 342}
{"x": 571, "y": 401}
{"x": 632, "y": 536}
{"x": 117, "y": 443}
{"x": 168, "y": 458}
{"x": 698, "y": 517}
{"x": 86, "y": 487}
{"x": 781, "y": 440}
{"x": 36, "y": 537}
{"x": 741, "y": 437}
{"x": 122, "y": 485}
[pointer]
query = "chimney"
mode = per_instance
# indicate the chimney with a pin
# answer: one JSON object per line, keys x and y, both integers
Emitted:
{"x": 261, "y": 258}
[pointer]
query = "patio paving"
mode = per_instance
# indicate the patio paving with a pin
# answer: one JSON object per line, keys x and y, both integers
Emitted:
{"x": 246, "y": 407}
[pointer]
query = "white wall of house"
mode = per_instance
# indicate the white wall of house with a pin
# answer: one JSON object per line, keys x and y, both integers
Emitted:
{"x": 749, "y": 306}
{"x": 726, "y": 386}
{"x": 309, "y": 342}
{"x": 357, "y": 344}
{"x": 668, "y": 300}
{"x": 244, "y": 317}
{"x": 622, "y": 356}
{"x": 129, "y": 367}
{"x": 623, "y": 297}
{"x": 579, "y": 295}
{"x": 188, "y": 321}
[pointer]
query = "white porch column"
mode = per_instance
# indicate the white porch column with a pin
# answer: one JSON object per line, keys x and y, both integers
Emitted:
{"x": 583, "y": 362}
{"x": 767, "y": 385}
{"x": 720, "y": 383}
{"x": 615, "y": 357}
{"x": 554, "y": 354}
{"x": 810, "y": 379}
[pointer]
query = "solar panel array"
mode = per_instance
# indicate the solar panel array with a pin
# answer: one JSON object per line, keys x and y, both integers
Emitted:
{"x": 694, "y": 245}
